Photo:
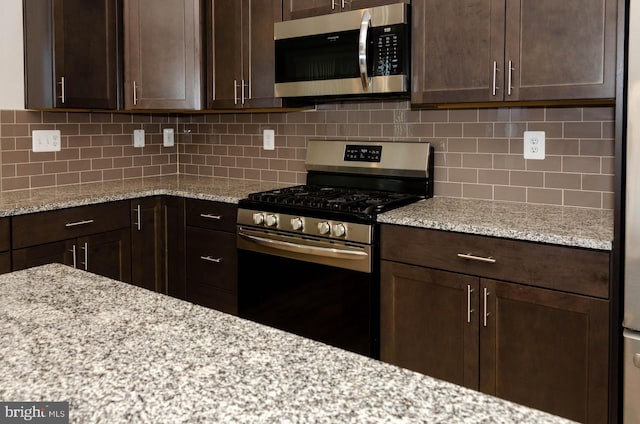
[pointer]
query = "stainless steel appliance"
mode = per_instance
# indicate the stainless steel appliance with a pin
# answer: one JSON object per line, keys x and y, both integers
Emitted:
{"x": 363, "y": 51}
{"x": 631, "y": 322}
{"x": 308, "y": 254}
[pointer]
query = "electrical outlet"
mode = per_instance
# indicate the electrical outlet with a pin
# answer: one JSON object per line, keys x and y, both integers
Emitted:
{"x": 138, "y": 138}
{"x": 167, "y": 137}
{"x": 45, "y": 140}
{"x": 268, "y": 140}
{"x": 534, "y": 144}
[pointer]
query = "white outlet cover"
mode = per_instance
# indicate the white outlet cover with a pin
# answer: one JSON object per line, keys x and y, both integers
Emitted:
{"x": 168, "y": 139}
{"x": 268, "y": 140}
{"x": 46, "y": 140}
{"x": 138, "y": 138}
{"x": 534, "y": 145}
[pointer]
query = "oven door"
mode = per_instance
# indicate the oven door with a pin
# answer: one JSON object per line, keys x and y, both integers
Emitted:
{"x": 293, "y": 285}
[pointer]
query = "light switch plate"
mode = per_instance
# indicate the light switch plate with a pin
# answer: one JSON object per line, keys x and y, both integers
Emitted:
{"x": 138, "y": 138}
{"x": 167, "y": 137}
{"x": 534, "y": 142}
{"x": 46, "y": 140}
{"x": 268, "y": 140}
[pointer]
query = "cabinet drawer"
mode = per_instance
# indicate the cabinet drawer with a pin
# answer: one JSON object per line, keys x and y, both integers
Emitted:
{"x": 212, "y": 215}
{"x": 45, "y": 227}
{"x": 568, "y": 269}
{"x": 212, "y": 258}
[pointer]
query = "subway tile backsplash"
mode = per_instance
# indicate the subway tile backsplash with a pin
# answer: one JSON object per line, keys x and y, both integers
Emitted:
{"x": 479, "y": 152}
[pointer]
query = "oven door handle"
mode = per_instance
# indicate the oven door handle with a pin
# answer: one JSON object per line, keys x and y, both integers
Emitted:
{"x": 305, "y": 249}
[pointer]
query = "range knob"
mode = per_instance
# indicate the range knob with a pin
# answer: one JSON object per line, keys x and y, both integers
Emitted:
{"x": 297, "y": 223}
{"x": 258, "y": 218}
{"x": 271, "y": 220}
{"x": 324, "y": 227}
{"x": 339, "y": 230}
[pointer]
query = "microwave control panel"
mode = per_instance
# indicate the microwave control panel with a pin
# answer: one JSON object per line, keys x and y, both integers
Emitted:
{"x": 388, "y": 50}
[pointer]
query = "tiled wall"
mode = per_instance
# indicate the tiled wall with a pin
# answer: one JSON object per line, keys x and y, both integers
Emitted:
{"x": 478, "y": 151}
{"x": 95, "y": 147}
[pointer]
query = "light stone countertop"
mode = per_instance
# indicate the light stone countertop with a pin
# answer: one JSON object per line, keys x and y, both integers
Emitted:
{"x": 577, "y": 227}
{"x": 122, "y": 354}
{"x": 207, "y": 188}
{"x": 568, "y": 226}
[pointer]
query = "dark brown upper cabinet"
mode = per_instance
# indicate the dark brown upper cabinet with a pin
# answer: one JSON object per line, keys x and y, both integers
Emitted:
{"x": 72, "y": 54}
{"x": 513, "y": 50}
{"x": 163, "y": 54}
{"x": 241, "y": 64}
{"x": 295, "y": 9}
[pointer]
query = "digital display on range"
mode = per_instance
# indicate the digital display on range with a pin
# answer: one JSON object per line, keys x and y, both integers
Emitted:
{"x": 359, "y": 153}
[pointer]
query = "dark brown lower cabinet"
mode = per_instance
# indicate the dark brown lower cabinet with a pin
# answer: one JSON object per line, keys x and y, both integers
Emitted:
{"x": 538, "y": 347}
{"x": 173, "y": 249}
{"x": 107, "y": 254}
{"x": 211, "y": 262}
{"x": 146, "y": 243}
{"x": 157, "y": 244}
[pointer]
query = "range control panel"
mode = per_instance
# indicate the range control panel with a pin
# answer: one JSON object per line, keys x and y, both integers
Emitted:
{"x": 361, "y": 153}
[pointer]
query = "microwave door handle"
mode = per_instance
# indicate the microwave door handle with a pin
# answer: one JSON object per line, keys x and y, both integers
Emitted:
{"x": 362, "y": 48}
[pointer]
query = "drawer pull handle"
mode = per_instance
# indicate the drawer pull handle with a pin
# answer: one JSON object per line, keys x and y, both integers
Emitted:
{"x": 471, "y": 257}
{"x": 75, "y": 224}
{"x": 209, "y": 216}
{"x": 210, "y": 259}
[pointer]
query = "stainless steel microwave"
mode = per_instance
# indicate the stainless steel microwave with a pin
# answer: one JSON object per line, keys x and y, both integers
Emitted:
{"x": 360, "y": 52}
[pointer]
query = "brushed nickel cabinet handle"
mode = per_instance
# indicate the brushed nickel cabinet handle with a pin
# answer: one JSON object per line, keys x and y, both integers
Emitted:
{"x": 210, "y": 259}
{"x": 139, "y": 221}
{"x": 135, "y": 93}
{"x": 486, "y": 298}
{"x": 209, "y": 216}
{"x": 333, "y": 4}
{"x": 75, "y": 224}
{"x": 469, "y": 256}
{"x": 85, "y": 247}
{"x": 73, "y": 255}
{"x": 495, "y": 78}
{"x": 235, "y": 92}
{"x": 469, "y": 310}
{"x": 62, "y": 90}
{"x": 510, "y": 85}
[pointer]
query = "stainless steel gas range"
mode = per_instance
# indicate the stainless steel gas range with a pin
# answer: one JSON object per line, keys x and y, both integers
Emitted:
{"x": 308, "y": 254}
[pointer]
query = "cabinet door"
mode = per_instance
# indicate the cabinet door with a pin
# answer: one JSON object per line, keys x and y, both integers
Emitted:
{"x": 242, "y": 55}
{"x": 259, "y": 69}
{"x": 163, "y": 56}
{"x": 296, "y": 9}
{"x": 173, "y": 228}
{"x": 146, "y": 244}
{"x": 456, "y": 45}
{"x": 226, "y": 56}
{"x": 429, "y": 322}
{"x": 562, "y": 49}
{"x": 107, "y": 254}
{"x": 545, "y": 349}
{"x": 58, "y": 252}
{"x": 211, "y": 261}
{"x": 65, "y": 70}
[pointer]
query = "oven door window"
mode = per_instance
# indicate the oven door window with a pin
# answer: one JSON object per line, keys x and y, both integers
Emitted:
{"x": 332, "y": 305}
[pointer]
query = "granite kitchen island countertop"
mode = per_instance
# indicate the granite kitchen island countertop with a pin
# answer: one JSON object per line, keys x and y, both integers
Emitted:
{"x": 568, "y": 226}
{"x": 121, "y": 354}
